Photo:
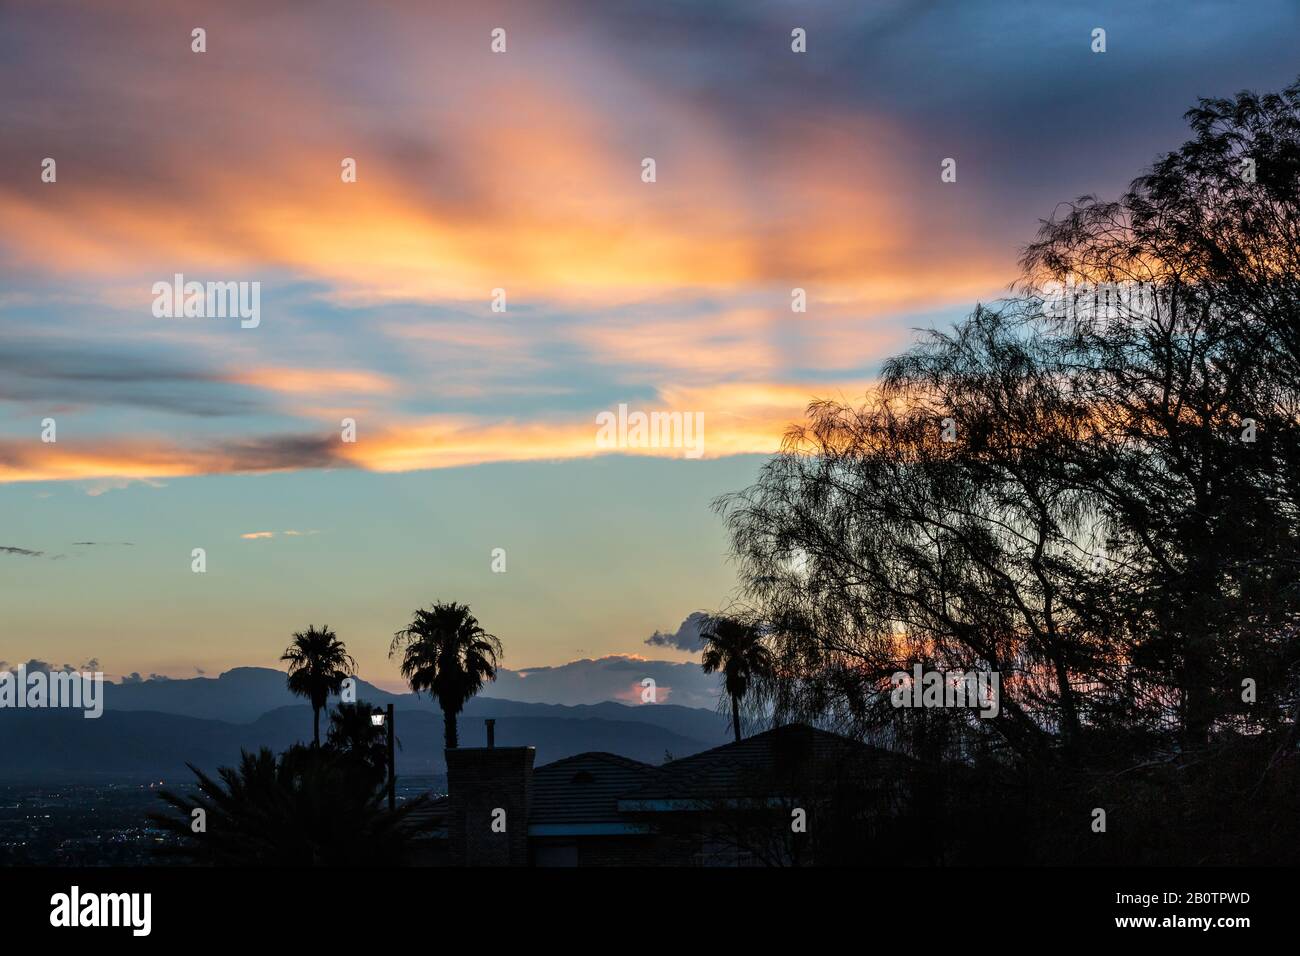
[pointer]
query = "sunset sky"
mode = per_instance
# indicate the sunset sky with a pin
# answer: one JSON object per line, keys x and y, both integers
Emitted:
{"x": 521, "y": 171}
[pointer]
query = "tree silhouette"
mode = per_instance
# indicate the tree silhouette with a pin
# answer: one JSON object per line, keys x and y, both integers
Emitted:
{"x": 353, "y": 734}
{"x": 310, "y": 807}
{"x": 446, "y": 652}
{"x": 1196, "y": 450}
{"x": 873, "y": 542}
{"x": 735, "y": 648}
{"x": 318, "y": 665}
{"x": 1091, "y": 488}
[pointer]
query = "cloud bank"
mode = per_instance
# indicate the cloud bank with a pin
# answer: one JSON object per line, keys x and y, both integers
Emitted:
{"x": 617, "y": 677}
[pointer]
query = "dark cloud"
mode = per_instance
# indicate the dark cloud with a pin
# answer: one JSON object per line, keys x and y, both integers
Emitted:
{"x": 274, "y": 452}
{"x": 135, "y": 678}
{"x": 22, "y": 552}
{"x": 57, "y": 374}
{"x": 28, "y": 552}
{"x": 685, "y": 638}
{"x": 46, "y": 667}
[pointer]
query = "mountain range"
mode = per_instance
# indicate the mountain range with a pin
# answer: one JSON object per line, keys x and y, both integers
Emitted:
{"x": 156, "y": 727}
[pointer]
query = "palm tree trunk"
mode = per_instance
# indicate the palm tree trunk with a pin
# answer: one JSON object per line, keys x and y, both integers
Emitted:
{"x": 735, "y": 716}
{"x": 315, "y": 726}
{"x": 449, "y": 729}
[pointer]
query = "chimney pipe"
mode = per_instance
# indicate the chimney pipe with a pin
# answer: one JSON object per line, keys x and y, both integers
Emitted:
{"x": 491, "y": 731}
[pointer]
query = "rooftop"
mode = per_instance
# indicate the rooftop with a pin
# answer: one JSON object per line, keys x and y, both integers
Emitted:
{"x": 598, "y": 789}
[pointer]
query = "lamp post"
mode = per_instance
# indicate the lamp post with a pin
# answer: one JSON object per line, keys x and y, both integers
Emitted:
{"x": 381, "y": 719}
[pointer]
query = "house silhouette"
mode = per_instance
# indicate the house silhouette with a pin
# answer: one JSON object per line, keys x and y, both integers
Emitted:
{"x": 792, "y": 795}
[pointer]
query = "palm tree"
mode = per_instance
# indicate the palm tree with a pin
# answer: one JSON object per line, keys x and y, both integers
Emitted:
{"x": 318, "y": 665}
{"x": 308, "y": 807}
{"x": 446, "y": 652}
{"x": 353, "y": 734}
{"x": 736, "y": 648}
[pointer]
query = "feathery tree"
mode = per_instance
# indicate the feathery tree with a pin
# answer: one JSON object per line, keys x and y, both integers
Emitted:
{"x": 1091, "y": 488}
{"x": 1194, "y": 388}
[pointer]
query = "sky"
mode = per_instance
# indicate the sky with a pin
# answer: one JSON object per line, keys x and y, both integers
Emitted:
{"x": 522, "y": 171}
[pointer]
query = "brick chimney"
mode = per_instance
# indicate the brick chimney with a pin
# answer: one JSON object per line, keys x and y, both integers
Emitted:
{"x": 489, "y": 789}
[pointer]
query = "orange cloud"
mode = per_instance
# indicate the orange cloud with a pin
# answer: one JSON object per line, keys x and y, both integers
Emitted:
{"x": 528, "y": 179}
{"x": 739, "y": 418}
{"x": 522, "y": 181}
{"x": 313, "y": 381}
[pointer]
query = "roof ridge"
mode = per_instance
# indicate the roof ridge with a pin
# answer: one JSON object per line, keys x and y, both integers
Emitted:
{"x": 716, "y": 753}
{"x": 784, "y": 728}
{"x": 599, "y": 755}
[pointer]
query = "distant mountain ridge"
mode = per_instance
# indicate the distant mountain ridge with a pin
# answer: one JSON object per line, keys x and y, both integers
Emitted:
{"x": 244, "y": 694}
{"x": 59, "y": 745}
{"x": 157, "y": 727}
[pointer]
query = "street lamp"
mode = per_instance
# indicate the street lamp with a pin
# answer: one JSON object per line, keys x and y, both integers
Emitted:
{"x": 381, "y": 719}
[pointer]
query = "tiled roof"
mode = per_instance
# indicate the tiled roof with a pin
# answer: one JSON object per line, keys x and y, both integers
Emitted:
{"x": 585, "y": 788}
